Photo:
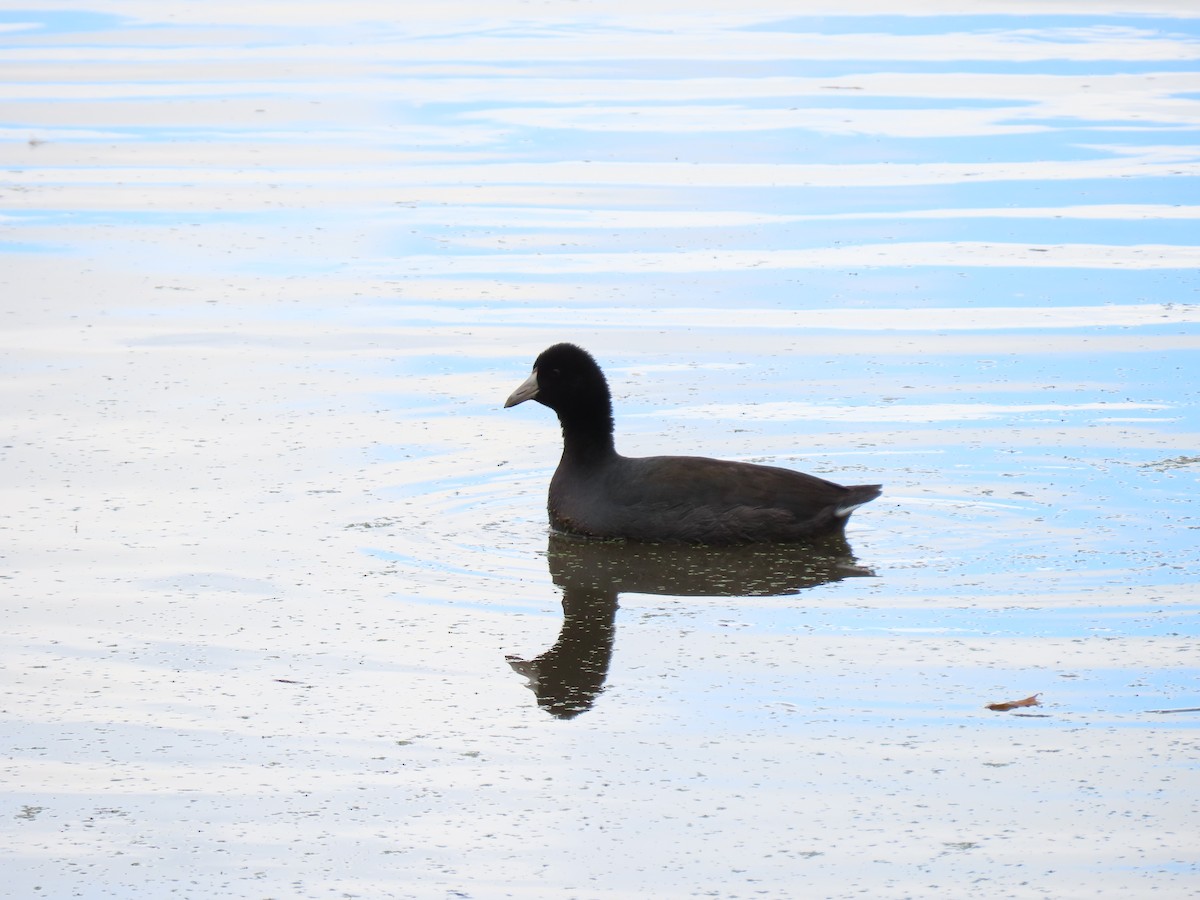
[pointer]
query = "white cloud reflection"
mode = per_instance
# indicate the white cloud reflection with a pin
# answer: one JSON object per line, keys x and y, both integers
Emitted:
{"x": 874, "y": 319}
{"x": 951, "y": 254}
{"x": 549, "y": 217}
{"x": 914, "y": 413}
{"x": 1135, "y": 162}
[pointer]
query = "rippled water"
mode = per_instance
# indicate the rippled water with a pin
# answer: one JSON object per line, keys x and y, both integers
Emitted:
{"x": 282, "y": 616}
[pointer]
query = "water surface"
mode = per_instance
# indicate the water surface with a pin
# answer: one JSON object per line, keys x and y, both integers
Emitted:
{"x": 282, "y": 616}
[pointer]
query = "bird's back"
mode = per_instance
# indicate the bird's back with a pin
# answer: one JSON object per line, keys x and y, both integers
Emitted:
{"x": 690, "y": 499}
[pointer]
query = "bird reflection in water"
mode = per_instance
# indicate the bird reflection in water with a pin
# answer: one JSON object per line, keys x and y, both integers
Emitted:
{"x": 593, "y": 573}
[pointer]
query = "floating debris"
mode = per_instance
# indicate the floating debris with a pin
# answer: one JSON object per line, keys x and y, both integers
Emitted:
{"x": 1015, "y": 704}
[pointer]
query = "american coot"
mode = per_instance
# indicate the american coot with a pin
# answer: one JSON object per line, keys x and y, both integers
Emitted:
{"x": 667, "y": 499}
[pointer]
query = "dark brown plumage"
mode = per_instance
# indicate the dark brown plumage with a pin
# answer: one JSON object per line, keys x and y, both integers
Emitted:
{"x": 668, "y": 499}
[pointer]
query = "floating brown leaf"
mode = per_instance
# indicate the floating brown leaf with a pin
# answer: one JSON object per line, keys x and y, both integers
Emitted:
{"x": 1015, "y": 704}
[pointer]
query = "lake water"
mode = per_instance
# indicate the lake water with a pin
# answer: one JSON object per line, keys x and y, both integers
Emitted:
{"x": 282, "y": 616}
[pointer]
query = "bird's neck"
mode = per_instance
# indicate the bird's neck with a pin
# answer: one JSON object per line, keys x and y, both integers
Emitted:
{"x": 588, "y": 439}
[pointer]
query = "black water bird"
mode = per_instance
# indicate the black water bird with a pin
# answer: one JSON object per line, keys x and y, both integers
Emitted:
{"x": 596, "y": 492}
